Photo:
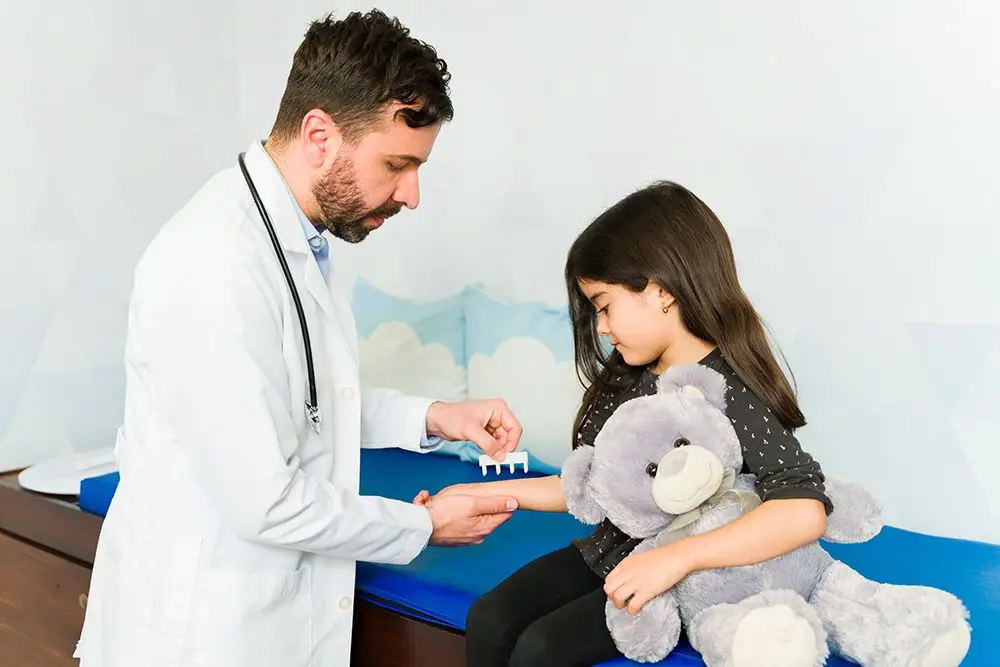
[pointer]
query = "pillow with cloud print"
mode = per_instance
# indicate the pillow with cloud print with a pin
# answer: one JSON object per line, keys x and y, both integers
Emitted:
{"x": 417, "y": 348}
{"x": 472, "y": 345}
{"x": 523, "y": 352}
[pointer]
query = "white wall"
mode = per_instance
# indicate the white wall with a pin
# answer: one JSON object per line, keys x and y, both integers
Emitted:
{"x": 113, "y": 112}
{"x": 849, "y": 148}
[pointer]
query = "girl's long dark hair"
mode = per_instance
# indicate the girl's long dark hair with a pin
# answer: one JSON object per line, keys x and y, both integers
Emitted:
{"x": 666, "y": 235}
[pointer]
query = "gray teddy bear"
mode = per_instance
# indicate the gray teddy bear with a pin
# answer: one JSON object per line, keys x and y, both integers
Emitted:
{"x": 666, "y": 466}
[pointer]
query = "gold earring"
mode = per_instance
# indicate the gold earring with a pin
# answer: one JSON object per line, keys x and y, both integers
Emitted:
{"x": 666, "y": 309}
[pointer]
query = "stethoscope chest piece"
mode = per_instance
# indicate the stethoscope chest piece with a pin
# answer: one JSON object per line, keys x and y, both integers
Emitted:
{"x": 315, "y": 419}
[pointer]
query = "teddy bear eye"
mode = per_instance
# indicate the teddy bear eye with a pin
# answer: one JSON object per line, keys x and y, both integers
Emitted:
{"x": 651, "y": 470}
{"x": 681, "y": 442}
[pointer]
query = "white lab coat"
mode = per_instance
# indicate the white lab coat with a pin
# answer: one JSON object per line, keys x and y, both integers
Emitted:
{"x": 233, "y": 535}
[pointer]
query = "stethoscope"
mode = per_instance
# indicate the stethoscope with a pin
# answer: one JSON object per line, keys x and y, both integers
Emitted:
{"x": 312, "y": 405}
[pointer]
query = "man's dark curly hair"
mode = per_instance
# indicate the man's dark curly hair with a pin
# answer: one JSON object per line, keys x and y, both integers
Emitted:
{"x": 353, "y": 68}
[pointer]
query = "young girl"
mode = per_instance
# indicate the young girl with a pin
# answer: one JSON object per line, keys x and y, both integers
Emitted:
{"x": 655, "y": 275}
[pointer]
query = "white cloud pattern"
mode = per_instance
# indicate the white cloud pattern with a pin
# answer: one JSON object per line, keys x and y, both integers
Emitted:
{"x": 394, "y": 357}
{"x": 543, "y": 393}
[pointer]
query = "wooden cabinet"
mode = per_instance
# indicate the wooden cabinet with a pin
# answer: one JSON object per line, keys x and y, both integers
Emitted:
{"x": 42, "y": 598}
{"x": 47, "y": 550}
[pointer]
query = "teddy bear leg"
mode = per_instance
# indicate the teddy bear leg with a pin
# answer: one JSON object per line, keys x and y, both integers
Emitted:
{"x": 650, "y": 635}
{"x": 887, "y": 625}
{"x": 770, "y": 629}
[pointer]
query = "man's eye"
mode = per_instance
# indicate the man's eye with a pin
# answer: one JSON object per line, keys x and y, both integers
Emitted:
{"x": 395, "y": 167}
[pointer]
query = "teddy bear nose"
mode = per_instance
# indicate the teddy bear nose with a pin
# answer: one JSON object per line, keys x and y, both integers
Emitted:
{"x": 685, "y": 478}
{"x": 675, "y": 462}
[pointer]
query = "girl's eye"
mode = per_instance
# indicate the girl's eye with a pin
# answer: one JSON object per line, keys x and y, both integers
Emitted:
{"x": 651, "y": 470}
{"x": 603, "y": 310}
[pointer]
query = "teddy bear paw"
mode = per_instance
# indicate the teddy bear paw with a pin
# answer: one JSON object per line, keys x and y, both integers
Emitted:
{"x": 949, "y": 648}
{"x": 774, "y": 636}
{"x": 650, "y": 635}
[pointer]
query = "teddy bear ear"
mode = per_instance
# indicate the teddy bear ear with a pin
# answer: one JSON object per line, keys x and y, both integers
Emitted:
{"x": 697, "y": 381}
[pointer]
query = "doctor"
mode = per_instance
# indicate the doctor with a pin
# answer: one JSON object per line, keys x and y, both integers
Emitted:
{"x": 233, "y": 536}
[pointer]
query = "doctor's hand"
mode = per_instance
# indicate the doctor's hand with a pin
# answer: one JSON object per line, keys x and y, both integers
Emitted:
{"x": 488, "y": 423}
{"x": 461, "y": 520}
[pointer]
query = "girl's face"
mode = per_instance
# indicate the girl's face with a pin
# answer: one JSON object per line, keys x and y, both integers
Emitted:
{"x": 634, "y": 322}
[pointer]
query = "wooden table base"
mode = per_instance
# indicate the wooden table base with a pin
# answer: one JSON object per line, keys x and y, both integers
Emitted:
{"x": 383, "y": 638}
{"x": 47, "y": 550}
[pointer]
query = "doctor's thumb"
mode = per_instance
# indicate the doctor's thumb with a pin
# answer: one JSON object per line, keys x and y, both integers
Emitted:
{"x": 495, "y": 505}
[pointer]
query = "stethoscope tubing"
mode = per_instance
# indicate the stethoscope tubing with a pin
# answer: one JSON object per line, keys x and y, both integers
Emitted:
{"x": 312, "y": 404}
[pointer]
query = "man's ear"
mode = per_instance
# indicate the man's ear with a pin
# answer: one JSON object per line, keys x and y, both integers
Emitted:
{"x": 575, "y": 478}
{"x": 321, "y": 138}
{"x": 696, "y": 380}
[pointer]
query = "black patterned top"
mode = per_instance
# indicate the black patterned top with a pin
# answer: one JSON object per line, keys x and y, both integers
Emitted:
{"x": 770, "y": 452}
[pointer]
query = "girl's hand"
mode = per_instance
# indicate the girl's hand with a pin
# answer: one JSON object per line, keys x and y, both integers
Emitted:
{"x": 640, "y": 577}
{"x": 425, "y": 497}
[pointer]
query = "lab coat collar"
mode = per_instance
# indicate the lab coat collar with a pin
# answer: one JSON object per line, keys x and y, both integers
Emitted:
{"x": 274, "y": 194}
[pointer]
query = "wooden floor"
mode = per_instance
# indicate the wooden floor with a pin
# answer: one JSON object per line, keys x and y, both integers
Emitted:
{"x": 47, "y": 550}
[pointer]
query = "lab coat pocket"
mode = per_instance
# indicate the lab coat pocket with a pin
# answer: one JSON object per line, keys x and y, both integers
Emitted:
{"x": 246, "y": 619}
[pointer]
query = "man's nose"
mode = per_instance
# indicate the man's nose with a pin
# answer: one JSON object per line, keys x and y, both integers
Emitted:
{"x": 408, "y": 191}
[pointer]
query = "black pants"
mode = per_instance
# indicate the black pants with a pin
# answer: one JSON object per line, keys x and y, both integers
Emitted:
{"x": 550, "y": 613}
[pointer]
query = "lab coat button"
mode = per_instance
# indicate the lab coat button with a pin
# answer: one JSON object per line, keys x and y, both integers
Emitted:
{"x": 348, "y": 393}
{"x": 345, "y": 602}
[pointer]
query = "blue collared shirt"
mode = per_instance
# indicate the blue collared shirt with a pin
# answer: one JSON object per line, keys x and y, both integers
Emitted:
{"x": 317, "y": 242}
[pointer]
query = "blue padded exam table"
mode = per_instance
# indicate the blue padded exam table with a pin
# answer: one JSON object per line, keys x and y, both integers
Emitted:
{"x": 441, "y": 583}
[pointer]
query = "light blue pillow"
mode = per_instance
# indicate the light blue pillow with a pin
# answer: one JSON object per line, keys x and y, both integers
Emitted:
{"x": 438, "y": 321}
{"x": 523, "y": 352}
{"x": 472, "y": 345}
{"x": 415, "y": 347}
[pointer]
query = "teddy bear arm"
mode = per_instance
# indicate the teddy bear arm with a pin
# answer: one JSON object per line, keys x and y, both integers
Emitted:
{"x": 857, "y": 514}
{"x": 653, "y": 633}
{"x": 574, "y": 479}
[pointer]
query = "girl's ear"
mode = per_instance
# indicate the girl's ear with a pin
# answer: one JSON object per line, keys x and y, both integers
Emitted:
{"x": 575, "y": 480}
{"x": 660, "y": 294}
{"x": 658, "y": 290}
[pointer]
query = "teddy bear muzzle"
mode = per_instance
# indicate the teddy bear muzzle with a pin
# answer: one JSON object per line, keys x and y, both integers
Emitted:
{"x": 685, "y": 478}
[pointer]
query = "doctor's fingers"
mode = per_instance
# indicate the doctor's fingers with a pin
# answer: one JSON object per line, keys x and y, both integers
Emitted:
{"x": 490, "y": 522}
{"x": 502, "y": 420}
{"x": 493, "y": 444}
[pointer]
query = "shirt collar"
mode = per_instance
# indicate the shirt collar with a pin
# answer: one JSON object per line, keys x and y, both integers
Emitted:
{"x": 315, "y": 240}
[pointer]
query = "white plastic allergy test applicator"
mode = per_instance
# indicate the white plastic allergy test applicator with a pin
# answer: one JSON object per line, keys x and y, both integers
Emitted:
{"x": 511, "y": 459}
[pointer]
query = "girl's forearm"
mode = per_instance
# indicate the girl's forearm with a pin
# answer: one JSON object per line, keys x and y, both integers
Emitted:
{"x": 772, "y": 529}
{"x": 542, "y": 494}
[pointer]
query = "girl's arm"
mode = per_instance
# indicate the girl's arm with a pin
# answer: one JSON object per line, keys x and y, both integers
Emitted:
{"x": 542, "y": 494}
{"x": 772, "y": 529}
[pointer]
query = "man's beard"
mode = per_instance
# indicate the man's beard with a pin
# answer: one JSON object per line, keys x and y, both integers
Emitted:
{"x": 342, "y": 204}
